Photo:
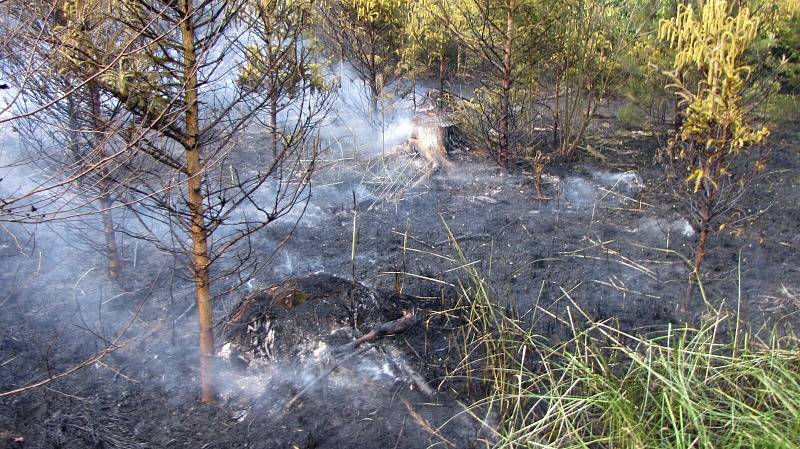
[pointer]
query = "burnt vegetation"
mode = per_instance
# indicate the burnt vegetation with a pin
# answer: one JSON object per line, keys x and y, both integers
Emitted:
{"x": 399, "y": 223}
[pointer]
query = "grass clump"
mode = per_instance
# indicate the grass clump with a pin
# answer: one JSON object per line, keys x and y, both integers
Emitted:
{"x": 709, "y": 386}
{"x": 783, "y": 109}
{"x": 675, "y": 389}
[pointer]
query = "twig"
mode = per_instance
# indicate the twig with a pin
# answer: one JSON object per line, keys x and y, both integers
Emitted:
{"x": 425, "y": 424}
{"x": 392, "y": 327}
{"x": 89, "y": 361}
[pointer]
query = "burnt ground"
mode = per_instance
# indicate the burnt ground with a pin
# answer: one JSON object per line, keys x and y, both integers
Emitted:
{"x": 611, "y": 236}
{"x": 610, "y": 240}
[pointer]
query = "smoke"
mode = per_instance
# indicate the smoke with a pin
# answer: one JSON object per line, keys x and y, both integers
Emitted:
{"x": 12, "y": 175}
{"x": 660, "y": 232}
{"x": 579, "y": 192}
{"x": 72, "y": 294}
{"x": 600, "y": 186}
{"x": 628, "y": 182}
{"x": 315, "y": 370}
{"x": 350, "y": 119}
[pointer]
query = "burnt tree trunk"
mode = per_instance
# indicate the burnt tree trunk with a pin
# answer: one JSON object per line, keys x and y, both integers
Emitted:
{"x": 431, "y": 143}
{"x": 505, "y": 94}
{"x": 194, "y": 173}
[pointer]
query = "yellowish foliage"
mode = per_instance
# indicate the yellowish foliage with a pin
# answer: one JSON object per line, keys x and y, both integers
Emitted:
{"x": 712, "y": 42}
{"x": 695, "y": 177}
{"x": 709, "y": 45}
{"x": 789, "y": 7}
{"x": 377, "y": 11}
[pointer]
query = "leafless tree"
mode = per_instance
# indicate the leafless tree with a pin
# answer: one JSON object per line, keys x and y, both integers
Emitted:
{"x": 74, "y": 136}
{"x": 184, "y": 102}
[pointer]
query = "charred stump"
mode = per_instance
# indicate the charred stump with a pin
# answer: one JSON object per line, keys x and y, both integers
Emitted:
{"x": 429, "y": 138}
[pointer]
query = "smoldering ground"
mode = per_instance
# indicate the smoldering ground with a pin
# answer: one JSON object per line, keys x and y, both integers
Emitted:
{"x": 608, "y": 241}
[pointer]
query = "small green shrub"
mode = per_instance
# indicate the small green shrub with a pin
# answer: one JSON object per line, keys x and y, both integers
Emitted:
{"x": 631, "y": 116}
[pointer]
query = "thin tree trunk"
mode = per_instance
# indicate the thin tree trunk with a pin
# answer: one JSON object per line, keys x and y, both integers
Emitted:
{"x": 273, "y": 101}
{"x": 373, "y": 97}
{"x": 273, "y": 122}
{"x": 195, "y": 203}
{"x": 373, "y": 81}
{"x": 114, "y": 266}
{"x": 557, "y": 111}
{"x": 112, "y": 251}
{"x": 459, "y": 58}
{"x": 699, "y": 255}
{"x": 677, "y": 113}
{"x": 537, "y": 181}
{"x": 414, "y": 92}
{"x": 442, "y": 69}
{"x": 505, "y": 93}
{"x": 341, "y": 58}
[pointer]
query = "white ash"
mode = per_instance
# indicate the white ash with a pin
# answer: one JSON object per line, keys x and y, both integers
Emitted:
{"x": 319, "y": 368}
{"x": 626, "y": 182}
{"x": 663, "y": 229}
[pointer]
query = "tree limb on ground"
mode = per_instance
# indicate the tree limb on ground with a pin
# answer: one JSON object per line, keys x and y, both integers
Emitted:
{"x": 390, "y": 328}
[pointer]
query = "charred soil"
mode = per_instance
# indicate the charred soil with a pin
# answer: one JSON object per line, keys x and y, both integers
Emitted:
{"x": 610, "y": 239}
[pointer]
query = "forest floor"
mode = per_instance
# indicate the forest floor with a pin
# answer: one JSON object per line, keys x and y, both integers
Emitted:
{"x": 609, "y": 239}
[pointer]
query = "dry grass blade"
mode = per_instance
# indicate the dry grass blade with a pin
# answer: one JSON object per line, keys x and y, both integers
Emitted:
{"x": 425, "y": 425}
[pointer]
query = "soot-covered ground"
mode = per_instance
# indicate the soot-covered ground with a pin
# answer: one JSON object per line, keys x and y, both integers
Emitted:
{"x": 609, "y": 240}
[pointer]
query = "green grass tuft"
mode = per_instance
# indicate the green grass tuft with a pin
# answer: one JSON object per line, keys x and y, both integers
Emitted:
{"x": 712, "y": 386}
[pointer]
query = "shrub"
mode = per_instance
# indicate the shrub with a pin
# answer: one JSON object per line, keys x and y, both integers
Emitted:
{"x": 711, "y": 79}
{"x": 631, "y": 116}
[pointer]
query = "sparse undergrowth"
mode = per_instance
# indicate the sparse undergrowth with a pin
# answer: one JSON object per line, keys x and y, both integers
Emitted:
{"x": 711, "y": 385}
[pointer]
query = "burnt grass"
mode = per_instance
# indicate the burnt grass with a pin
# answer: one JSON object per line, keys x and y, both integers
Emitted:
{"x": 608, "y": 243}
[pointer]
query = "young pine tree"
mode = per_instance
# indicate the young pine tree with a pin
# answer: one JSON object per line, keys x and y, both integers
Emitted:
{"x": 713, "y": 153}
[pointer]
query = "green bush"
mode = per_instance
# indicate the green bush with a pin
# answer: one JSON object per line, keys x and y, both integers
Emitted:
{"x": 782, "y": 108}
{"x": 785, "y": 54}
{"x": 631, "y": 116}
